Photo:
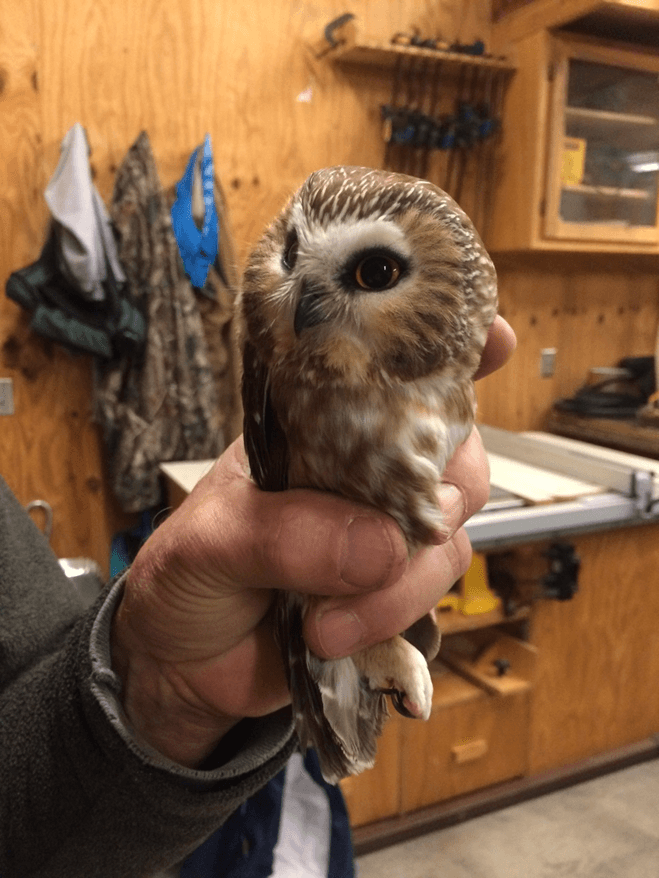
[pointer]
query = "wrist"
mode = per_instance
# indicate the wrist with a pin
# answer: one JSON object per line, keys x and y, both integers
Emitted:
{"x": 161, "y": 709}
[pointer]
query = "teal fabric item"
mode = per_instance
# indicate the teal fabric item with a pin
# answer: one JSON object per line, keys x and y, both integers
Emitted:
{"x": 103, "y": 329}
{"x": 198, "y": 247}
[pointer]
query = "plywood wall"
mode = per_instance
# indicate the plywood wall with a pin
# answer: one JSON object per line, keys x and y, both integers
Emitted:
{"x": 177, "y": 68}
{"x": 593, "y": 313}
{"x": 242, "y": 72}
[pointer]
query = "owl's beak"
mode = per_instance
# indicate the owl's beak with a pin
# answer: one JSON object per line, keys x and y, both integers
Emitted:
{"x": 309, "y": 311}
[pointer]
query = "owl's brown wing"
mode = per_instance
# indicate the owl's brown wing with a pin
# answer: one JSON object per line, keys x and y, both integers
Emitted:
{"x": 366, "y": 710}
{"x": 268, "y": 455}
{"x": 265, "y": 442}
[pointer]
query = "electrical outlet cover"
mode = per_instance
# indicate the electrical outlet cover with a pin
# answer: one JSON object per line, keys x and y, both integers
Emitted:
{"x": 6, "y": 396}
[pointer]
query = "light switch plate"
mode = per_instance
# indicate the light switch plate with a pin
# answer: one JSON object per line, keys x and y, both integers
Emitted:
{"x": 6, "y": 396}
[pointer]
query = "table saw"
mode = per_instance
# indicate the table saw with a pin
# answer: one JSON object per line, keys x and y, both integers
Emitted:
{"x": 542, "y": 487}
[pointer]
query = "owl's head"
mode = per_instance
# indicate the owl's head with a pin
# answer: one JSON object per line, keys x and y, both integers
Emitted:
{"x": 369, "y": 275}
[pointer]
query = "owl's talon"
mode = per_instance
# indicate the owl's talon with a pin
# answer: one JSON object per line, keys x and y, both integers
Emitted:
{"x": 407, "y": 679}
{"x": 398, "y": 700}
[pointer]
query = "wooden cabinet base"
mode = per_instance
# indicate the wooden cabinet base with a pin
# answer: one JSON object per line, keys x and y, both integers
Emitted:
{"x": 405, "y": 826}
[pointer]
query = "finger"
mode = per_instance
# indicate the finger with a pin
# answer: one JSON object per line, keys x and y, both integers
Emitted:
{"x": 308, "y": 541}
{"x": 499, "y": 347}
{"x": 465, "y": 483}
{"x": 341, "y": 626}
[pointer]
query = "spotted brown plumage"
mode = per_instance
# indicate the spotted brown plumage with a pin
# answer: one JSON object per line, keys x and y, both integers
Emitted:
{"x": 363, "y": 315}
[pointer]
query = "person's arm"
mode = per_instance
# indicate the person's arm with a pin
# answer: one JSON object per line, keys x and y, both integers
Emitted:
{"x": 127, "y": 739}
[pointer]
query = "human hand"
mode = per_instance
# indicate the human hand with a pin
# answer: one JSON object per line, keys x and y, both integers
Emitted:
{"x": 192, "y": 640}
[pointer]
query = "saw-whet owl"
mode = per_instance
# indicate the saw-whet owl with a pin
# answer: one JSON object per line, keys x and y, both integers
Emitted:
{"x": 363, "y": 314}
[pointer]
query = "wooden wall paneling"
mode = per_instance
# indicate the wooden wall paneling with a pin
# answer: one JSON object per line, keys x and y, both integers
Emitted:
{"x": 598, "y": 654}
{"x": 246, "y": 75}
{"x": 20, "y": 200}
{"x": 21, "y": 203}
{"x": 607, "y": 315}
{"x": 49, "y": 448}
{"x": 592, "y": 317}
{"x": 516, "y": 397}
{"x": 176, "y": 68}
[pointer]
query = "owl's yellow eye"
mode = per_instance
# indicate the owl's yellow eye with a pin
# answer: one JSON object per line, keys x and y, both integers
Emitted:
{"x": 377, "y": 272}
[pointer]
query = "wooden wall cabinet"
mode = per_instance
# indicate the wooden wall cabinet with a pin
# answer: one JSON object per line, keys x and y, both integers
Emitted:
{"x": 580, "y": 149}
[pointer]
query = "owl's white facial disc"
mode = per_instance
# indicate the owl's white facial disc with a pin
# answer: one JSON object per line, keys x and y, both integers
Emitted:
{"x": 329, "y": 247}
{"x": 334, "y": 267}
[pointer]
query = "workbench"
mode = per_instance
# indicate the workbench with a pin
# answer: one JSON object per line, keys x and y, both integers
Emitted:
{"x": 546, "y": 486}
{"x": 542, "y": 486}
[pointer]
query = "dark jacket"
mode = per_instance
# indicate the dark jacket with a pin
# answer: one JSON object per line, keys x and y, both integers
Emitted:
{"x": 78, "y": 795}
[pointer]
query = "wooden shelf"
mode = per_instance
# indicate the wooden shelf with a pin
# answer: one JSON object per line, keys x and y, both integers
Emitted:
{"x": 606, "y": 191}
{"x": 452, "y": 621}
{"x": 378, "y": 55}
{"x": 609, "y": 117}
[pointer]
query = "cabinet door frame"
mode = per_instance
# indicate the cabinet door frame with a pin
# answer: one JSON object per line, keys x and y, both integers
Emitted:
{"x": 564, "y": 50}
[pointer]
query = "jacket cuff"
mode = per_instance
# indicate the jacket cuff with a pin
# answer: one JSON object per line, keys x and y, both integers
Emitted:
{"x": 247, "y": 747}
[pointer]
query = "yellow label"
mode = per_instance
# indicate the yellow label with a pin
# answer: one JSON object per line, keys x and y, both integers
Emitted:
{"x": 574, "y": 156}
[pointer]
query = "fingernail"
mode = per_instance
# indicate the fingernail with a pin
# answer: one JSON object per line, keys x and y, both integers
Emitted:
{"x": 452, "y": 503}
{"x": 368, "y": 553}
{"x": 340, "y": 632}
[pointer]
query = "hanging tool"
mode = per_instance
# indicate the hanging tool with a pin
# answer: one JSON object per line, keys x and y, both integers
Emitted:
{"x": 496, "y": 108}
{"x": 417, "y": 41}
{"x": 467, "y": 133}
{"x": 432, "y": 120}
{"x": 391, "y": 112}
{"x": 398, "y": 117}
{"x": 331, "y": 38}
{"x": 413, "y": 112}
{"x": 418, "y": 119}
{"x": 475, "y": 48}
{"x": 488, "y": 124}
{"x": 452, "y": 133}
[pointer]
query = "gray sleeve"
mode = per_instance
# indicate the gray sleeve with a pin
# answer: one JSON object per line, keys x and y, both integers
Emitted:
{"x": 78, "y": 794}
{"x": 265, "y": 737}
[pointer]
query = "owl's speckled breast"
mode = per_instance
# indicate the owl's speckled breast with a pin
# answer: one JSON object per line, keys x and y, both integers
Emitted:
{"x": 384, "y": 446}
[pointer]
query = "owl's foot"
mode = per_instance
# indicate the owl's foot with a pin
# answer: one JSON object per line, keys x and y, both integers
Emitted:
{"x": 398, "y": 668}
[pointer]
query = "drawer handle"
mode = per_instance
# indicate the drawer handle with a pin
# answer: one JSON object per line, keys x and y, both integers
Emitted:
{"x": 469, "y": 751}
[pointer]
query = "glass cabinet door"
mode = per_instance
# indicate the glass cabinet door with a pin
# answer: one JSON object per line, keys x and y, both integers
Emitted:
{"x": 604, "y": 148}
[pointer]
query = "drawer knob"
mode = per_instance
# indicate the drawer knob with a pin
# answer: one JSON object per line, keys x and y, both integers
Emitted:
{"x": 469, "y": 751}
{"x": 502, "y": 666}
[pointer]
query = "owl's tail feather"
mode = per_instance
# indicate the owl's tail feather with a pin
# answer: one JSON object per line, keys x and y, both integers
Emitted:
{"x": 335, "y": 711}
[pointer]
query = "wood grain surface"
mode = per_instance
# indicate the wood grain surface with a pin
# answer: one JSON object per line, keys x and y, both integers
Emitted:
{"x": 598, "y": 653}
{"x": 275, "y": 112}
{"x": 178, "y": 69}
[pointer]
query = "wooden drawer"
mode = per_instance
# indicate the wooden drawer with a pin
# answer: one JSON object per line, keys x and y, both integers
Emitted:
{"x": 477, "y": 734}
{"x": 473, "y": 739}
